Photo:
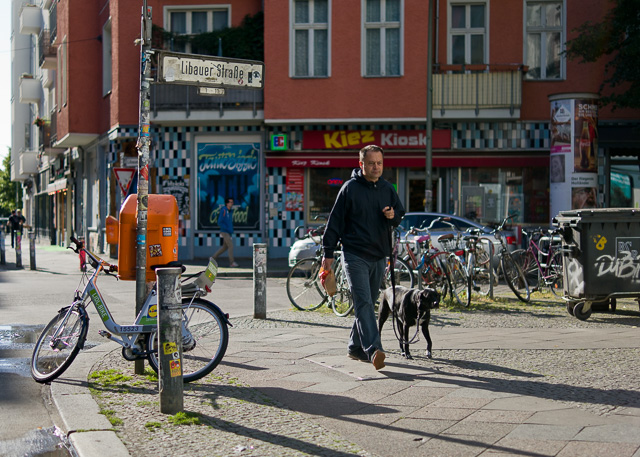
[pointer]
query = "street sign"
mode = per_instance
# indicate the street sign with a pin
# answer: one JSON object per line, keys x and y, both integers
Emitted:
{"x": 211, "y": 91}
{"x": 210, "y": 71}
{"x": 124, "y": 177}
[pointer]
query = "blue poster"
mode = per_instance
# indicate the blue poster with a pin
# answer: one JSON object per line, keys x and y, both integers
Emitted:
{"x": 228, "y": 170}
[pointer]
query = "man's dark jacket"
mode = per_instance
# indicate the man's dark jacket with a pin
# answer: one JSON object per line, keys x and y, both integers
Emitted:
{"x": 357, "y": 219}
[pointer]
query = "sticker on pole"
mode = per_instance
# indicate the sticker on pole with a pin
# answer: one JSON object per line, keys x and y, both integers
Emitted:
{"x": 175, "y": 368}
{"x": 124, "y": 176}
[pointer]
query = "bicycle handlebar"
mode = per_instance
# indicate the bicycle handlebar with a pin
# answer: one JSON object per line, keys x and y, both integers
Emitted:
{"x": 95, "y": 261}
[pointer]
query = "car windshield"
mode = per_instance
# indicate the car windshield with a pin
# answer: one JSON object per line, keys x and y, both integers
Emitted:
{"x": 423, "y": 221}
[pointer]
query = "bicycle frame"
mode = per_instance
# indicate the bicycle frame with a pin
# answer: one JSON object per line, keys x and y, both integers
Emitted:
{"x": 128, "y": 336}
{"x": 537, "y": 251}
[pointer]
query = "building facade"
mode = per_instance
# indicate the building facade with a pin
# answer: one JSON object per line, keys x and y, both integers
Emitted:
{"x": 338, "y": 75}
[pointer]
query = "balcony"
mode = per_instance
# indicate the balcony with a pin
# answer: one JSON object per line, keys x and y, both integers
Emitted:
{"x": 478, "y": 91}
{"x": 28, "y": 163}
{"x": 173, "y": 103}
{"x": 47, "y": 138}
{"x": 30, "y": 89}
{"x": 30, "y": 20}
{"x": 47, "y": 53}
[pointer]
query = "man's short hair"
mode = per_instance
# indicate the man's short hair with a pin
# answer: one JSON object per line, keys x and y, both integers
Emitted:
{"x": 370, "y": 147}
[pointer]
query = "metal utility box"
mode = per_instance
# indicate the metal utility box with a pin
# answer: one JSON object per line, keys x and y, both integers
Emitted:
{"x": 162, "y": 234}
{"x": 601, "y": 252}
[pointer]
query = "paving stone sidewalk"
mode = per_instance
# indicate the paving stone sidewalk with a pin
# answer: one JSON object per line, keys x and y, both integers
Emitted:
{"x": 505, "y": 379}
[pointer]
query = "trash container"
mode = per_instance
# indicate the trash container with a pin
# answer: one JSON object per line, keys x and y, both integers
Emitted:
{"x": 601, "y": 256}
{"x": 162, "y": 235}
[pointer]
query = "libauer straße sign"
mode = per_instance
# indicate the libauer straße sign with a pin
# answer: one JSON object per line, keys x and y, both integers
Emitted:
{"x": 387, "y": 139}
{"x": 210, "y": 71}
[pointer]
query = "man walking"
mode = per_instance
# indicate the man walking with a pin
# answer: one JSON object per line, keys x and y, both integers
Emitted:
{"x": 225, "y": 221}
{"x": 16, "y": 222}
{"x": 366, "y": 209}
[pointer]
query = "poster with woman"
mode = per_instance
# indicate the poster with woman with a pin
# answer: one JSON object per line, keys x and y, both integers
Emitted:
{"x": 228, "y": 170}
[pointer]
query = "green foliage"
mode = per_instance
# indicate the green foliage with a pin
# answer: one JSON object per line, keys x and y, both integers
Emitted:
{"x": 243, "y": 42}
{"x": 617, "y": 36}
{"x": 10, "y": 192}
{"x": 109, "y": 377}
{"x": 185, "y": 418}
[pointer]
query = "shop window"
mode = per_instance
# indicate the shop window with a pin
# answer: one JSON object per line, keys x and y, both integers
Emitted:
{"x": 490, "y": 194}
{"x": 323, "y": 187}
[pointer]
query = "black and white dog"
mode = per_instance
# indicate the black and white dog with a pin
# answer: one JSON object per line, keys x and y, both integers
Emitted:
{"x": 412, "y": 307}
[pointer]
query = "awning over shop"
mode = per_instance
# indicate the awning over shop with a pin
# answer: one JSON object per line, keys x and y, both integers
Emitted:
{"x": 57, "y": 186}
{"x": 407, "y": 160}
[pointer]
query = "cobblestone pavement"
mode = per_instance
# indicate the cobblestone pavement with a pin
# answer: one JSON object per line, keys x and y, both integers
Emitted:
{"x": 232, "y": 418}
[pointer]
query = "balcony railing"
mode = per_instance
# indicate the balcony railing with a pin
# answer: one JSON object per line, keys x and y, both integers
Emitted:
{"x": 47, "y": 52}
{"x": 478, "y": 88}
{"x": 174, "y": 97}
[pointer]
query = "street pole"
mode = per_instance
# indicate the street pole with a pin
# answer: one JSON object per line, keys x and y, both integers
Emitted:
{"x": 143, "y": 165}
{"x": 428, "y": 184}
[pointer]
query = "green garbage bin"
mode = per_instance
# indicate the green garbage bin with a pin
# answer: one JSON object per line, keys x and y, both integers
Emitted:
{"x": 601, "y": 253}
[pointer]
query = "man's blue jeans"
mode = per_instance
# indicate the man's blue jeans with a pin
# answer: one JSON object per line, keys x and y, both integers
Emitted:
{"x": 364, "y": 279}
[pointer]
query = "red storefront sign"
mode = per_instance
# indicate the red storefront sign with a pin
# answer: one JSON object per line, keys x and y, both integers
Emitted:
{"x": 387, "y": 139}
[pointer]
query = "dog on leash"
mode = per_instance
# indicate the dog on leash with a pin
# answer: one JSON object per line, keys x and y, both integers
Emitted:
{"x": 411, "y": 307}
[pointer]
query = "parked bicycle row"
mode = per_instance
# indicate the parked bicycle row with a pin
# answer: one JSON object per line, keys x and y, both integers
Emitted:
{"x": 459, "y": 264}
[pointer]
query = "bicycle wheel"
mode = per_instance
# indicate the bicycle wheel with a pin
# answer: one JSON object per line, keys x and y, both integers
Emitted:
{"x": 434, "y": 274}
{"x": 460, "y": 281}
{"x": 59, "y": 344}
{"x": 303, "y": 285}
{"x": 403, "y": 275}
{"x": 480, "y": 277}
{"x": 528, "y": 265}
{"x": 342, "y": 302}
{"x": 514, "y": 277}
{"x": 556, "y": 282}
{"x": 205, "y": 337}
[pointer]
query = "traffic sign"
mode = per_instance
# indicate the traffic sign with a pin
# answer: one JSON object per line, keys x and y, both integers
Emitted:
{"x": 124, "y": 177}
{"x": 200, "y": 70}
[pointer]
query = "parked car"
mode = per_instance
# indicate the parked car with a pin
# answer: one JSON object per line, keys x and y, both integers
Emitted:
{"x": 424, "y": 219}
{"x": 308, "y": 243}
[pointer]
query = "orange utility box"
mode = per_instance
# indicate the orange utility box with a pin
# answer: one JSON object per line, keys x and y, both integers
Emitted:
{"x": 162, "y": 234}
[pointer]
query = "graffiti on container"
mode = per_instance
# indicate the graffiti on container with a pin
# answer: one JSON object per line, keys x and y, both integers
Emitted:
{"x": 626, "y": 267}
{"x": 600, "y": 242}
{"x": 575, "y": 277}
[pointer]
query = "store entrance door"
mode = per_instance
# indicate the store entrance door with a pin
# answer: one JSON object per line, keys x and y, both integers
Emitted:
{"x": 417, "y": 192}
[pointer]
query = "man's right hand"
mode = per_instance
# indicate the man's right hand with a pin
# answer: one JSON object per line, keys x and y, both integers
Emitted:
{"x": 326, "y": 263}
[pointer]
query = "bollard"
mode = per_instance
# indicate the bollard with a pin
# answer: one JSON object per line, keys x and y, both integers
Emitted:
{"x": 3, "y": 258}
{"x": 18, "y": 249}
{"x": 260, "y": 280}
{"x": 32, "y": 250}
{"x": 170, "y": 340}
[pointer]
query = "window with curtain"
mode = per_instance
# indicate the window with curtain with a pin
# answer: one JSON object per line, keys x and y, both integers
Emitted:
{"x": 193, "y": 22}
{"x": 382, "y": 37}
{"x": 468, "y": 33}
{"x": 544, "y": 39}
{"x": 310, "y": 38}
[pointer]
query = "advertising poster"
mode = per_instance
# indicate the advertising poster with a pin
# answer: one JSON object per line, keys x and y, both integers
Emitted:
{"x": 573, "y": 166}
{"x": 295, "y": 189}
{"x": 228, "y": 170}
{"x": 179, "y": 188}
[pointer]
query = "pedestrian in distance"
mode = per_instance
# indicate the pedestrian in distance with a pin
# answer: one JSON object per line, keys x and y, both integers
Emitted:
{"x": 16, "y": 221}
{"x": 225, "y": 221}
{"x": 365, "y": 211}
